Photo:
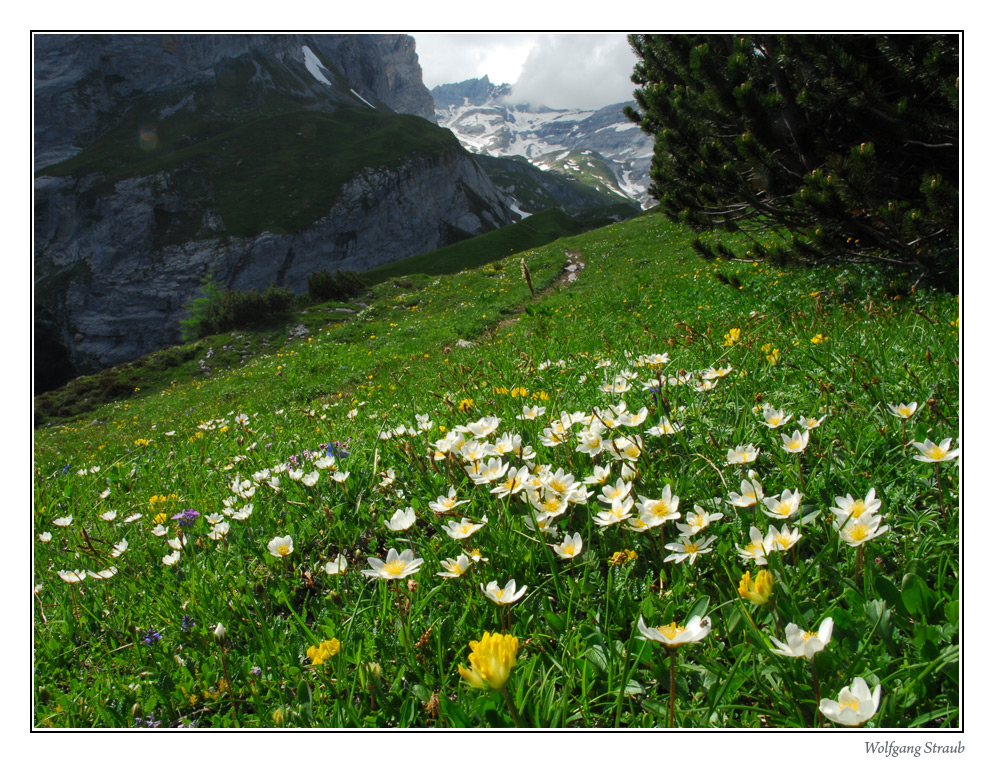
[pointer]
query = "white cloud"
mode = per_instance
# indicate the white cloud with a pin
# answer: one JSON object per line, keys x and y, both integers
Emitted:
{"x": 576, "y": 70}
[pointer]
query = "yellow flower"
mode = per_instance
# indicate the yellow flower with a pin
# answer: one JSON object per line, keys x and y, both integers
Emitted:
{"x": 622, "y": 557}
{"x": 466, "y": 404}
{"x": 817, "y": 339}
{"x": 774, "y": 357}
{"x": 732, "y": 337}
{"x": 323, "y": 651}
{"x": 758, "y": 591}
{"x": 491, "y": 660}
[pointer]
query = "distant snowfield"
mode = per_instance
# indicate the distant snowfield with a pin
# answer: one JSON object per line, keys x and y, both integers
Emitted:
{"x": 314, "y": 65}
{"x": 546, "y": 138}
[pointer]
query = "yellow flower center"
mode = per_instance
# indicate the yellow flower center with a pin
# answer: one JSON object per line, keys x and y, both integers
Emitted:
{"x": 935, "y": 452}
{"x": 859, "y": 532}
{"x": 783, "y": 540}
{"x": 569, "y": 548}
{"x": 671, "y": 631}
{"x": 283, "y": 549}
{"x": 795, "y": 444}
{"x": 395, "y": 567}
{"x": 690, "y": 548}
{"x": 695, "y": 520}
{"x": 854, "y": 704}
{"x": 774, "y": 420}
{"x": 808, "y": 634}
{"x": 857, "y": 509}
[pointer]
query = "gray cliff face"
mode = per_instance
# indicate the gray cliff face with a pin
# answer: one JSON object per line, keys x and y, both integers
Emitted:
{"x": 78, "y": 78}
{"x": 124, "y": 239}
{"x": 126, "y": 299}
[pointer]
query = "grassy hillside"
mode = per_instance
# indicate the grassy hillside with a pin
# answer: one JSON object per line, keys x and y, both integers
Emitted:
{"x": 255, "y": 497}
{"x": 532, "y": 232}
{"x": 235, "y": 169}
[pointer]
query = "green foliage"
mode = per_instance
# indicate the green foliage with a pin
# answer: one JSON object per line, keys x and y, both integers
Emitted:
{"x": 847, "y": 143}
{"x": 344, "y": 285}
{"x": 848, "y": 341}
{"x": 219, "y": 309}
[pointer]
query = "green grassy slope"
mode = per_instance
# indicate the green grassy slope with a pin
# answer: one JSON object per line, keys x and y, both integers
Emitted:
{"x": 532, "y": 232}
{"x": 835, "y": 346}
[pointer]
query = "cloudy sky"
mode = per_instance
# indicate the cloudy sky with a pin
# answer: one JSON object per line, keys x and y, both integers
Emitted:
{"x": 577, "y": 70}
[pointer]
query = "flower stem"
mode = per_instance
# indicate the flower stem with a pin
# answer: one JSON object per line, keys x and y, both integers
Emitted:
{"x": 511, "y": 707}
{"x": 938, "y": 484}
{"x": 814, "y": 684}
{"x": 672, "y": 684}
{"x": 227, "y": 678}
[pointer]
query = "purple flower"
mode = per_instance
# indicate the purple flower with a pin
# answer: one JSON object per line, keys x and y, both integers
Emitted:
{"x": 186, "y": 517}
{"x": 256, "y": 671}
{"x": 188, "y": 623}
{"x": 151, "y": 636}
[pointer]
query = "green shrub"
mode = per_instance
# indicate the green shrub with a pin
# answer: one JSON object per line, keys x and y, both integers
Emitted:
{"x": 219, "y": 309}
{"x": 344, "y": 284}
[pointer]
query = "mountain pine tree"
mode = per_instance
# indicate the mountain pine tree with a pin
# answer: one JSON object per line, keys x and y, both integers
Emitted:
{"x": 846, "y": 144}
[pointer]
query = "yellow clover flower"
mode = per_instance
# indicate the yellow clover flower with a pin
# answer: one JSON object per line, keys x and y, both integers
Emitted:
{"x": 491, "y": 660}
{"x": 757, "y": 591}
{"x": 324, "y": 651}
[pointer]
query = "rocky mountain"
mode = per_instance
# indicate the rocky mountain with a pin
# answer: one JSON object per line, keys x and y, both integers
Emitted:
{"x": 485, "y": 119}
{"x": 258, "y": 158}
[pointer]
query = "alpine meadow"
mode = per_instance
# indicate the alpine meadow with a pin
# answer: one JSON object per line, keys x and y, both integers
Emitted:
{"x": 697, "y": 468}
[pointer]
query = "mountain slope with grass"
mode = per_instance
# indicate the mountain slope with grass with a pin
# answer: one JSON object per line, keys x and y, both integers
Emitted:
{"x": 637, "y": 450}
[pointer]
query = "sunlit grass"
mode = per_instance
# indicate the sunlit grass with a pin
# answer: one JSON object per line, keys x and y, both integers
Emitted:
{"x": 328, "y": 438}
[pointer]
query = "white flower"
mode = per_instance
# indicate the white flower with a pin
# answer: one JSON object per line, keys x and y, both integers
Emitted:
{"x": 62, "y": 521}
{"x": 177, "y": 543}
{"x": 742, "y": 454}
{"x": 932, "y": 453}
{"x": 620, "y": 511}
{"x": 74, "y": 576}
{"x": 218, "y": 531}
{"x": 395, "y": 567}
{"x": 103, "y": 574}
{"x": 752, "y": 493}
{"x": 774, "y": 418}
{"x": 159, "y": 530}
{"x": 220, "y": 632}
{"x": 463, "y": 529}
{"x": 492, "y": 471}
{"x": 530, "y": 414}
{"x": 109, "y": 516}
{"x": 686, "y": 548}
{"x": 243, "y": 513}
{"x": 807, "y": 423}
{"x": 783, "y": 507}
{"x": 45, "y": 537}
{"x": 849, "y": 506}
{"x": 401, "y": 520}
{"x": 170, "y": 559}
{"x": 336, "y": 566}
{"x": 612, "y": 494}
{"x": 856, "y": 532}
{"x": 903, "y": 410}
{"x": 795, "y": 443}
{"x": 512, "y": 483}
{"x": 674, "y": 636}
{"x": 455, "y": 568}
{"x": 855, "y": 706}
{"x": 325, "y": 462}
{"x": 664, "y": 428}
{"x": 755, "y": 550}
{"x": 132, "y": 518}
{"x": 214, "y": 518}
{"x": 280, "y": 546}
{"x": 780, "y": 540}
{"x": 599, "y": 477}
{"x": 655, "y": 511}
{"x": 119, "y": 548}
{"x": 444, "y": 504}
{"x": 804, "y": 643}
{"x": 503, "y": 596}
{"x": 572, "y": 546}
{"x": 697, "y": 521}
{"x": 484, "y": 426}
